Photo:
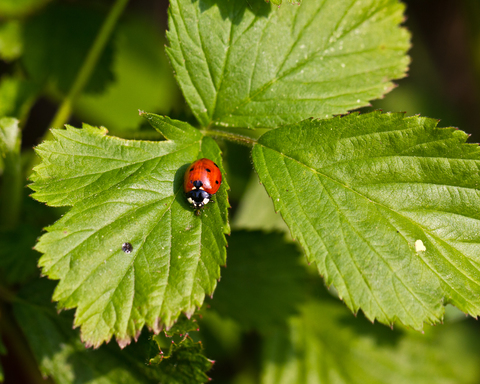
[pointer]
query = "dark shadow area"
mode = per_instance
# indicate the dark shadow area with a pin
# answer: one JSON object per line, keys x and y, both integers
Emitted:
{"x": 229, "y": 363}
{"x": 382, "y": 334}
{"x": 444, "y": 77}
{"x": 40, "y": 117}
{"x": 50, "y": 335}
{"x": 259, "y": 264}
{"x": 235, "y": 9}
{"x": 178, "y": 187}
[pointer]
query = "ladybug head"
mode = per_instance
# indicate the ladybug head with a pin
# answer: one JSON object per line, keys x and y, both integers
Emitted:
{"x": 198, "y": 198}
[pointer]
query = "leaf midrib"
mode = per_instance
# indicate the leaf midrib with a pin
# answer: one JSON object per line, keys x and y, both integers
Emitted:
{"x": 294, "y": 68}
{"x": 101, "y": 173}
{"x": 333, "y": 201}
{"x": 392, "y": 210}
{"x": 95, "y": 231}
{"x": 359, "y": 270}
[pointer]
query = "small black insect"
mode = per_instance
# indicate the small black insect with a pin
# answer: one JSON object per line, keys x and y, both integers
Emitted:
{"x": 127, "y": 247}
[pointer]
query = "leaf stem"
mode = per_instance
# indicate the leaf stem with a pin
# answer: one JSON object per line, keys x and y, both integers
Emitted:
{"x": 240, "y": 139}
{"x": 65, "y": 110}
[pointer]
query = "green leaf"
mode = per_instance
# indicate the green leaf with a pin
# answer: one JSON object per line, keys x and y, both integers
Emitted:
{"x": 363, "y": 193}
{"x": 10, "y": 40}
{"x": 279, "y": 2}
{"x": 248, "y": 64}
{"x": 326, "y": 345}
{"x": 56, "y": 42}
{"x": 128, "y": 191}
{"x": 264, "y": 281}
{"x": 20, "y": 8}
{"x": 59, "y": 351}
{"x": 184, "y": 363}
{"x": 183, "y": 326}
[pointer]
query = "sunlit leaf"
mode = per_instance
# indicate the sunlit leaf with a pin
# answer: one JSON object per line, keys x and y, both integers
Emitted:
{"x": 386, "y": 206}
{"x": 128, "y": 192}
{"x": 251, "y": 64}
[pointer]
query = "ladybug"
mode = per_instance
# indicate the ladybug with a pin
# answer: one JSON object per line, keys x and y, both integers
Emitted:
{"x": 202, "y": 180}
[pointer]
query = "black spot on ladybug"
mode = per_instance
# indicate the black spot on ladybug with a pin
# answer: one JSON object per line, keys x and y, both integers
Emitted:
{"x": 127, "y": 247}
{"x": 208, "y": 170}
{"x": 191, "y": 169}
{"x": 215, "y": 165}
{"x": 216, "y": 181}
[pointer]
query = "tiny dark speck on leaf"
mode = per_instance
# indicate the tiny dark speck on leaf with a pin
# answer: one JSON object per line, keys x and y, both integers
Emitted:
{"x": 127, "y": 247}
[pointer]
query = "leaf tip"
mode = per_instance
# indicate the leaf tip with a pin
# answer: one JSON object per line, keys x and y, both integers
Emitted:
{"x": 157, "y": 326}
{"x": 87, "y": 344}
{"x": 137, "y": 335}
{"x": 123, "y": 342}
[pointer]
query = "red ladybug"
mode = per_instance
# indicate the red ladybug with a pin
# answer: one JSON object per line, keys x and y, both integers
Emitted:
{"x": 202, "y": 180}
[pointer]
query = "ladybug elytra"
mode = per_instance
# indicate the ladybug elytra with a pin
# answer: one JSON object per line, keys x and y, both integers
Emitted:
{"x": 202, "y": 180}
